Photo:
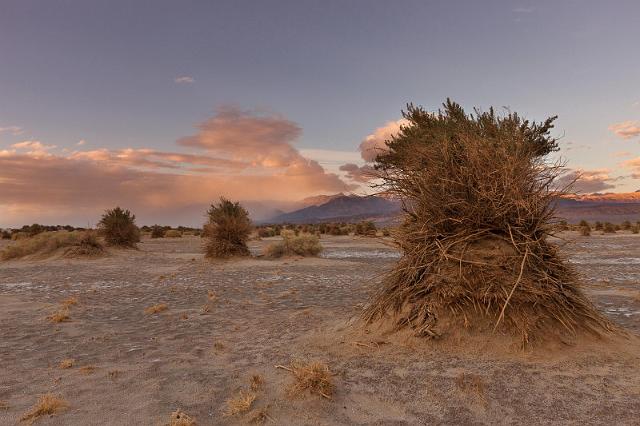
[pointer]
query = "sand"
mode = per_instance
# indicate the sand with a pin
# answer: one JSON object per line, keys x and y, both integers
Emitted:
{"x": 229, "y": 320}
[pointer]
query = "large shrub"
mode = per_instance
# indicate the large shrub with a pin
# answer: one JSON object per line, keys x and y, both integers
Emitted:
{"x": 227, "y": 230}
{"x": 478, "y": 194}
{"x": 118, "y": 227}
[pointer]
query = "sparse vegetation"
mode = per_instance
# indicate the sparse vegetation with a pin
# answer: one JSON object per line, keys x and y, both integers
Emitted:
{"x": 585, "y": 231}
{"x": 118, "y": 228}
{"x": 66, "y": 363}
{"x": 291, "y": 244}
{"x": 154, "y": 309}
{"x": 609, "y": 228}
{"x": 172, "y": 233}
{"x": 312, "y": 377}
{"x": 366, "y": 228}
{"x": 157, "y": 231}
{"x": 240, "y": 403}
{"x": 61, "y": 315}
{"x": 77, "y": 243}
{"x": 227, "y": 230}
{"x": 47, "y": 405}
{"x": 180, "y": 418}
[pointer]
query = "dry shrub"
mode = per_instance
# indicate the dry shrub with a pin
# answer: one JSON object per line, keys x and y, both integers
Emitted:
{"x": 118, "y": 227}
{"x": 241, "y": 403}
{"x": 180, "y": 418}
{"x": 227, "y": 230}
{"x": 157, "y": 231}
{"x": 47, "y": 243}
{"x": 292, "y": 244}
{"x": 87, "y": 370}
{"x": 48, "y": 404}
{"x": 173, "y": 233}
{"x": 609, "y": 228}
{"x": 87, "y": 245}
{"x": 154, "y": 309}
{"x": 4, "y": 405}
{"x": 479, "y": 198}
{"x": 66, "y": 363}
{"x": 314, "y": 377}
{"x": 61, "y": 315}
{"x": 585, "y": 231}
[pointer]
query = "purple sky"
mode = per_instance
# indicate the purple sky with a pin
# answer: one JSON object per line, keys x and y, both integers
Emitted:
{"x": 164, "y": 105}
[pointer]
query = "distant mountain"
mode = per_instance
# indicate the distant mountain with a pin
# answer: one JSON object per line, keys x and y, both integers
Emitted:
{"x": 343, "y": 208}
{"x": 615, "y": 208}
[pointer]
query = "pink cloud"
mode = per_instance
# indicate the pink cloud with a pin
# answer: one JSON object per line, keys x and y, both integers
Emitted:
{"x": 626, "y": 129}
{"x": 357, "y": 173}
{"x": 375, "y": 144}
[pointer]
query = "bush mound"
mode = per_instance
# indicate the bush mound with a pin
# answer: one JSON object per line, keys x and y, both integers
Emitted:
{"x": 44, "y": 244}
{"x": 118, "y": 227}
{"x": 294, "y": 245}
{"x": 157, "y": 231}
{"x": 478, "y": 197}
{"x": 227, "y": 230}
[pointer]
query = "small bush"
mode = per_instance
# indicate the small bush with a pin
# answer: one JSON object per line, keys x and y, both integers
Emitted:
{"x": 626, "y": 225}
{"x": 366, "y": 228}
{"x": 173, "y": 233}
{"x": 227, "y": 230}
{"x": 48, "y": 404}
{"x": 609, "y": 228}
{"x": 584, "y": 223}
{"x": 585, "y": 231}
{"x": 119, "y": 228}
{"x": 5, "y": 235}
{"x": 314, "y": 377}
{"x": 301, "y": 245}
{"x": 635, "y": 229}
{"x": 157, "y": 231}
{"x": 598, "y": 226}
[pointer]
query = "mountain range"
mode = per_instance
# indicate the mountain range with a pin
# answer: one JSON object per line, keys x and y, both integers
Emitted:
{"x": 609, "y": 207}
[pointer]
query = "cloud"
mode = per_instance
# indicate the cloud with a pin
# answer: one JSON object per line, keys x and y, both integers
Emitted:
{"x": 81, "y": 142}
{"x": 588, "y": 181}
{"x": 38, "y": 184}
{"x": 626, "y": 129}
{"x": 375, "y": 144}
{"x": 14, "y": 130}
{"x": 358, "y": 173}
{"x": 185, "y": 79}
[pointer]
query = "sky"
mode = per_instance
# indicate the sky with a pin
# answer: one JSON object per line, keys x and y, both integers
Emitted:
{"x": 163, "y": 106}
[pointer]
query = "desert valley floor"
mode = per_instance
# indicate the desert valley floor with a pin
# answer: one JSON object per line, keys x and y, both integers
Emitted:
{"x": 229, "y": 320}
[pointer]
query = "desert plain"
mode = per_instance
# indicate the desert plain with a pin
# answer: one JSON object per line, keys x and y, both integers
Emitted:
{"x": 226, "y": 321}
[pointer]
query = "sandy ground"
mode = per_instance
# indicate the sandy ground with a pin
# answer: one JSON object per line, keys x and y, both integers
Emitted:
{"x": 271, "y": 312}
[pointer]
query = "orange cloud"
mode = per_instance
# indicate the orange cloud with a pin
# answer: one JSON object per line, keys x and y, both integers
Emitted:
{"x": 375, "y": 143}
{"x": 257, "y": 165}
{"x": 626, "y": 129}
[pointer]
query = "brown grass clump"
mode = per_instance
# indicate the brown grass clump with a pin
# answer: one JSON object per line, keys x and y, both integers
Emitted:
{"x": 46, "y": 244}
{"x": 118, "y": 227}
{"x": 4, "y": 405}
{"x": 227, "y": 230}
{"x": 70, "y": 301}
{"x": 180, "y": 418}
{"x": 314, "y": 377}
{"x": 479, "y": 198}
{"x": 154, "y": 309}
{"x": 48, "y": 404}
{"x": 292, "y": 244}
{"x": 61, "y": 315}
{"x": 66, "y": 363}
{"x": 172, "y": 233}
{"x": 87, "y": 370}
{"x": 87, "y": 245}
{"x": 241, "y": 403}
{"x": 257, "y": 382}
{"x": 471, "y": 383}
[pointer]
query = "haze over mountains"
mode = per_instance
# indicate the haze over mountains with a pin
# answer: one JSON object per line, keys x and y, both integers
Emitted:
{"x": 609, "y": 207}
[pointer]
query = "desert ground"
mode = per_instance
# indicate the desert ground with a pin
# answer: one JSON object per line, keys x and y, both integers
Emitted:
{"x": 229, "y": 320}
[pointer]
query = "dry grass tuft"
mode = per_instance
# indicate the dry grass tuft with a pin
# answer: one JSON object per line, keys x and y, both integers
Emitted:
{"x": 260, "y": 415}
{"x": 180, "y": 418}
{"x": 61, "y": 315}
{"x": 87, "y": 370}
{"x": 160, "y": 307}
{"x": 294, "y": 245}
{"x": 211, "y": 295}
{"x": 4, "y": 405}
{"x": 66, "y": 363}
{"x": 48, "y": 404}
{"x": 71, "y": 301}
{"x": 257, "y": 382}
{"x": 241, "y": 403}
{"x": 314, "y": 377}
